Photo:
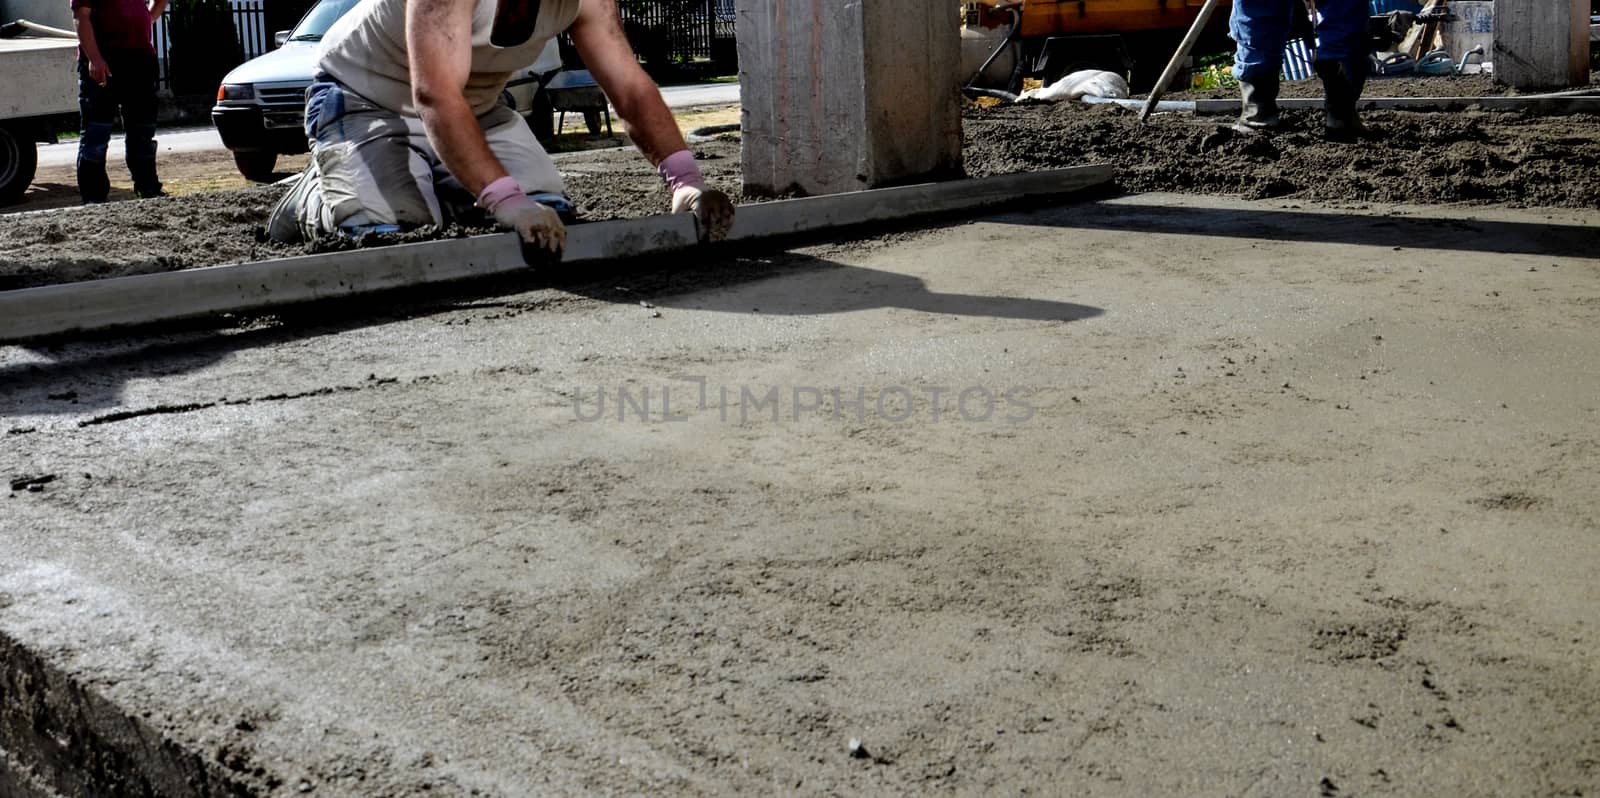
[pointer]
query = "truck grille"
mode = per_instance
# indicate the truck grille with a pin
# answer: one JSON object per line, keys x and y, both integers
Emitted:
{"x": 282, "y": 96}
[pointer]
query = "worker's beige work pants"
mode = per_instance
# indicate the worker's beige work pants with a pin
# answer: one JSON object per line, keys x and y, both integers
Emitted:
{"x": 374, "y": 170}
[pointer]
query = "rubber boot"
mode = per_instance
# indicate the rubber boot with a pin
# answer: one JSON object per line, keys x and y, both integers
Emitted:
{"x": 93, "y": 139}
{"x": 93, "y": 185}
{"x": 1260, "y": 103}
{"x": 1342, "y": 83}
{"x": 142, "y": 166}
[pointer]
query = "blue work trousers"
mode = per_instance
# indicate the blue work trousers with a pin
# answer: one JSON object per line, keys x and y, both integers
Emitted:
{"x": 1261, "y": 28}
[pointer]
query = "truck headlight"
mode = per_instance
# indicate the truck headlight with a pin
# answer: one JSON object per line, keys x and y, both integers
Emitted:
{"x": 236, "y": 91}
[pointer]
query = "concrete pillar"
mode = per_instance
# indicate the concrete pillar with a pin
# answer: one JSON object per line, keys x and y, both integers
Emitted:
{"x": 843, "y": 95}
{"x": 1541, "y": 44}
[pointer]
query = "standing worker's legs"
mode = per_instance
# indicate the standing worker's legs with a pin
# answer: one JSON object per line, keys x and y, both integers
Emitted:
{"x": 134, "y": 83}
{"x": 97, "y": 107}
{"x": 1343, "y": 62}
{"x": 1261, "y": 29}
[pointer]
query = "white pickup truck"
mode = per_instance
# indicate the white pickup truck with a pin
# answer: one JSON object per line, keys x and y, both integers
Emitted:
{"x": 39, "y": 88}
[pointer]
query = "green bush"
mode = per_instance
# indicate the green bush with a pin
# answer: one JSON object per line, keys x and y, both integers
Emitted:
{"x": 1215, "y": 72}
{"x": 204, "y": 45}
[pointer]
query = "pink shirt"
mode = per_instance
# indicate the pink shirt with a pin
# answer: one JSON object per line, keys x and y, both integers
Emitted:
{"x": 119, "y": 24}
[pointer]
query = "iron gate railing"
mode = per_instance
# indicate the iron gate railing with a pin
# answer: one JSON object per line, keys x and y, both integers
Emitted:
{"x": 249, "y": 24}
{"x": 688, "y": 28}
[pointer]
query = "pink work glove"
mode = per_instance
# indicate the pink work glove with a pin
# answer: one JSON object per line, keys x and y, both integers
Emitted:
{"x": 711, "y": 208}
{"x": 538, "y": 226}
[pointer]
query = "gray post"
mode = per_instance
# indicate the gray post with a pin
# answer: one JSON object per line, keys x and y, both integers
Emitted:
{"x": 843, "y": 95}
{"x": 1541, "y": 44}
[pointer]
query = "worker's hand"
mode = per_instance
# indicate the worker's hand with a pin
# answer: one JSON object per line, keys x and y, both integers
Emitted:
{"x": 711, "y": 208}
{"x": 99, "y": 70}
{"x": 539, "y": 226}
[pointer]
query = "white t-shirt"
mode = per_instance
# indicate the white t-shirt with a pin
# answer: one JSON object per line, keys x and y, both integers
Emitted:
{"x": 366, "y": 51}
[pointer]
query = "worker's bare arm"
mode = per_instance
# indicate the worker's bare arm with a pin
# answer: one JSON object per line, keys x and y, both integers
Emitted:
{"x": 598, "y": 35}
{"x": 156, "y": 7}
{"x": 439, "y": 41}
{"x": 81, "y": 20}
{"x": 599, "y": 38}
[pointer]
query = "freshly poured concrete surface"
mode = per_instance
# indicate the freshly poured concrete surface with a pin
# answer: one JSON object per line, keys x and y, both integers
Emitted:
{"x": 1301, "y": 501}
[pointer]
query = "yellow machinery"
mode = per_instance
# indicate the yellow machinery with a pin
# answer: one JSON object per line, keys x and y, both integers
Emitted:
{"x": 1004, "y": 41}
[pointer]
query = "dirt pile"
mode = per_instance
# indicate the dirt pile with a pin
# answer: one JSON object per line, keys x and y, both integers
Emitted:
{"x": 1470, "y": 157}
{"x": 1479, "y": 85}
{"x": 122, "y": 238}
{"x": 1417, "y": 157}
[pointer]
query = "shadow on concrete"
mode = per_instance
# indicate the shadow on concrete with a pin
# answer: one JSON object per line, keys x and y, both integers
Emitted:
{"x": 804, "y": 285}
{"x": 1406, "y": 232}
{"x": 85, "y": 373}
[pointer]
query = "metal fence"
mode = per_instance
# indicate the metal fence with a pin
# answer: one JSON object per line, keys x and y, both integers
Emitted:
{"x": 684, "y": 29}
{"x": 249, "y": 24}
{"x": 688, "y": 30}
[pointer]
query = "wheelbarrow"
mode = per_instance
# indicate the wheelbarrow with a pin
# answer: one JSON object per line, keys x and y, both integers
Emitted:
{"x": 576, "y": 91}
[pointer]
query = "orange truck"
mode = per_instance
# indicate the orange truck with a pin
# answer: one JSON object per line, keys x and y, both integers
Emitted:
{"x": 1004, "y": 41}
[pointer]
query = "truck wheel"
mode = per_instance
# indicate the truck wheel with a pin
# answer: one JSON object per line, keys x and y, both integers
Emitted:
{"x": 18, "y": 161}
{"x": 256, "y": 165}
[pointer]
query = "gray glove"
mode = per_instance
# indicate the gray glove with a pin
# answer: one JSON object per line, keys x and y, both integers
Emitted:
{"x": 538, "y": 226}
{"x": 711, "y": 208}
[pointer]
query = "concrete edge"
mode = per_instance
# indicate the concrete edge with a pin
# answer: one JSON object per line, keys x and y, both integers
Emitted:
{"x": 31, "y": 313}
{"x": 189, "y": 293}
{"x": 59, "y": 737}
{"x": 783, "y": 218}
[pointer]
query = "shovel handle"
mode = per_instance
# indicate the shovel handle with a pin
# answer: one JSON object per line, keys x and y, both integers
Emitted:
{"x": 1177, "y": 58}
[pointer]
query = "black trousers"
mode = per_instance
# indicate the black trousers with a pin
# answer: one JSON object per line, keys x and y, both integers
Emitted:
{"x": 130, "y": 90}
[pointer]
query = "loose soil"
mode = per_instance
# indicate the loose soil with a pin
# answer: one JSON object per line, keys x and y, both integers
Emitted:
{"x": 1469, "y": 157}
{"x": 1479, "y": 85}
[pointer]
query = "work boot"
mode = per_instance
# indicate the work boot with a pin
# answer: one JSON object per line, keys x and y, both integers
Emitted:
{"x": 1342, "y": 83}
{"x": 293, "y": 220}
{"x": 1260, "y": 103}
{"x": 93, "y": 185}
{"x": 142, "y": 166}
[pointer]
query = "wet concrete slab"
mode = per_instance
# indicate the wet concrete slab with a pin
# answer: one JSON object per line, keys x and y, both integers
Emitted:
{"x": 1151, "y": 495}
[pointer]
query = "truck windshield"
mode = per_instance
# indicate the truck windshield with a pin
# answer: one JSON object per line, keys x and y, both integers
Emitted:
{"x": 320, "y": 19}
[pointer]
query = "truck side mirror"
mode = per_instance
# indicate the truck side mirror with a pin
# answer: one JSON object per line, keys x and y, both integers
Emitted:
{"x": 280, "y": 37}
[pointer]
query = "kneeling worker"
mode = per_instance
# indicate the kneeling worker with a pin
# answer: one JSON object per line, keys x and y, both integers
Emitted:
{"x": 407, "y": 127}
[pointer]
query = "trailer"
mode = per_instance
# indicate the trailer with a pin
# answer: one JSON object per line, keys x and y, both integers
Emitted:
{"x": 1004, "y": 41}
{"x": 39, "y": 93}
